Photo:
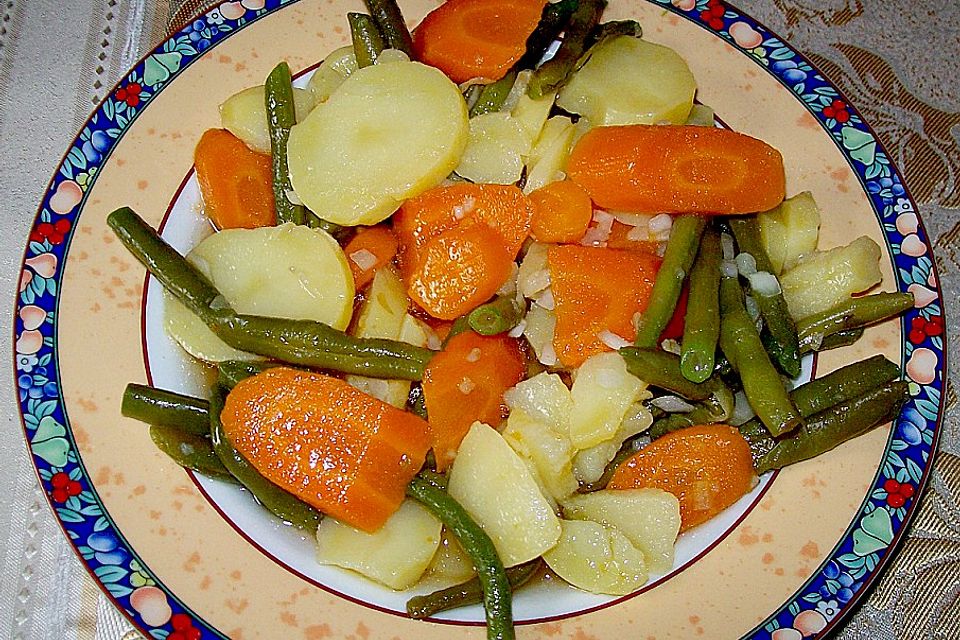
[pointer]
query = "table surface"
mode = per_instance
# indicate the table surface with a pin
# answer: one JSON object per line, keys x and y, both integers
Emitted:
{"x": 895, "y": 60}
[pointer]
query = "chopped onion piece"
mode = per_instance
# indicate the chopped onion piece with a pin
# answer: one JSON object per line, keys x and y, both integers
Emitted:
{"x": 726, "y": 243}
{"x": 672, "y": 404}
{"x": 671, "y": 346}
{"x": 742, "y": 411}
{"x": 549, "y": 355}
{"x": 517, "y": 331}
{"x": 509, "y": 288}
{"x": 364, "y": 259}
{"x": 466, "y": 385}
{"x": 598, "y": 234}
{"x": 746, "y": 264}
{"x": 764, "y": 283}
{"x": 752, "y": 309}
{"x": 728, "y": 268}
{"x": 545, "y": 299}
{"x": 612, "y": 340}
{"x": 632, "y": 219}
{"x": 292, "y": 197}
{"x": 660, "y": 223}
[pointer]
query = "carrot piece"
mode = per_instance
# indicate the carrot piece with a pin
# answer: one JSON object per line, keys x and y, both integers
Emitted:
{"x": 595, "y": 290}
{"x": 346, "y": 453}
{"x": 677, "y": 169}
{"x": 465, "y": 383}
{"x": 460, "y": 269}
{"x": 561, "y": 212}
{"x": 476, "y": 38}
{"x": 235, "y": 182}
{"x": 369, "y": 250}
{"x": 706, "y": 467}
{"x": 424, "y": 217}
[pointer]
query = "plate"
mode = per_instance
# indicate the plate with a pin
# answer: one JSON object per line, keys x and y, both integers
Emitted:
{"x": 175, "y": 552}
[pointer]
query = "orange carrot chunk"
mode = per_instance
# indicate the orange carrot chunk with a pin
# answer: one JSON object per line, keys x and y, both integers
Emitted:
{"x": 235, "y": 182}
{"x": 677, "y": 169}
{"x": 561, "y": 212}
{"x": 369, "y": 250}
{"x": 707, "y": 468}
{"x": 476, "y": 38}
{"x": 336, "y": 448}
{"x": 424, "y": 217}
{"x": 460, "y": 269}
{"x": 596, "y": 290}
{"x": 464, "y": 383}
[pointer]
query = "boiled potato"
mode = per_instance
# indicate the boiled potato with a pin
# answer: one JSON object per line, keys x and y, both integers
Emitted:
{"x": 388, "y": 133}
{"x": 396, "y": 554}
{"x": 549, "y": 452}
{"x": 331, "y": 73}
{"x": 824, "y": 279}
{"x": 547, "y": 160}
{"x": 602, "y": 393}
{"x": 628, "y": 80}
{"x": 532, "y": 114}
{"x": 450, "y": 565}
{"x": 597, "y": 558}
{"x": 649, "y": 518}
{"x": 790, "y": 230}
{"x": 244, "y": 115}
{"x": 288, "y": 271}
{"x": 544, "y": 398}
{"x": 589, "y": 464}
{"x": 541, "y": 325}
{"x": 498, "y": 490}
{"x": 493, "y": 153}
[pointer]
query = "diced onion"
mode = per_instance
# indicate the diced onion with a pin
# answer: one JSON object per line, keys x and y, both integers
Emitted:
{"x": 672, "y": 404}
{"x": 466, "y": 386}
{"x": 752, "y": 309}
{"x": 632, "y": 219}
{"x": 728, "y": 268}
{"x": 545, "y": 299}
{"x": 517, "y": 331}
{"x": 292, "y": 197}
{"x": 548, "y": 355}
{"x": 746, "y": 264}
{"x": 661, "y": 224}
{"x": 764, "y": 283}
{"x": 671, "y": 346}
{"x": 598, "y": 234}
{"x": 364, "y": 259}
{"x": 612, "y": 340}
{"x": 726, "y": 243}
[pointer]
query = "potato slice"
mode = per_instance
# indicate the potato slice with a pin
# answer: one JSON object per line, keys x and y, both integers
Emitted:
{"x": 549, "y": 452}
{"x": 790, "y": 230}
{"x": 649, "y": 518}
{"x": 824, "y": 279}
{"x": 244, "y": 114}
{"x": 602, "y": 393}
{"x": 396, "y": 555}
{"x": 493, "y": 153}
{"x": 628, "y": 80}
{"x": 249, "y": 267}
{"x": 389, "y": 132}
{"x": 331, "y": 73}
{"x": 498, "y": 490}
{"x": 548, "y": 158}
{"x": 589, "y": 464}
{"x": 450, "y": 565}
{"x": 544, "y": 398}
{"x": 597, "y": 558}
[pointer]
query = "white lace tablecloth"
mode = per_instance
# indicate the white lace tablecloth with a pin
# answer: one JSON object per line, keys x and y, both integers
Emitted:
{"x": 897, "y": 61}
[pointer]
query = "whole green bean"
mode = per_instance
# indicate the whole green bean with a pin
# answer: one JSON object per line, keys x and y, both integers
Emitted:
{"x": 701, "y": 327}
{"x": 554, "y": 73}
{"x": 782, "y": 344}
{"x": 831, "y": 427}
{"x": 741, "y": 343}
{"x": 281, "y": 116}
{"x": 681, "y": 251}
{"x": 230, "y": 372}
{"x": 313, "y": 344}
{"x": 466, "y": 593}
{"x": 367, "y": 41}
{"x": 389, "y": 19}
{"x": 662, "y": 369}
{"x": 855, "y": 313}
{"x": 189, "y": 450}
{"x": 497, "y": 597}
{"x": 281, "y": 503}
{"x": 176, "y": 275}
{"x": 496, "y": 317}
{"x": 819, "y": 394}
{"x": 166, "y": 408}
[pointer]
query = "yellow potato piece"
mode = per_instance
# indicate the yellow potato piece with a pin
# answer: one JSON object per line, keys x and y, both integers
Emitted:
{"x": 244, "y": 114}
{"x": 389, "y": 132}
{"x": 597, "y": 558}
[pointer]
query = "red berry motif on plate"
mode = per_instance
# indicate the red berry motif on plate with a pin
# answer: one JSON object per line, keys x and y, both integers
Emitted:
{"x": 921, "y": 328}
{"x": 54, "y": 232}
{"x": 838, "y": 111}
{"x": 897, "y": 493}
{"x": 183, "y": 628}
{"x": 63, "y": 487}
{"x": 129, "y": 94}
{"x": 713, "y": 14}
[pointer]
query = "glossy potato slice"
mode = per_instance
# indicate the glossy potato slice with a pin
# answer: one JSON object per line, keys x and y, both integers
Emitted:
{"x": 244, "y": 114}
{"x": 389, "y": 132}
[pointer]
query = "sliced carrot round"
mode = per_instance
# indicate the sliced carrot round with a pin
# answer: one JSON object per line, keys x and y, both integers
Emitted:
{"x": 236, "y": 183}
{"x": 706, "y": 467}
{"x": 561, "y": 212}
{"x": 476, "y": 38}
{"x": 370, "y": 249}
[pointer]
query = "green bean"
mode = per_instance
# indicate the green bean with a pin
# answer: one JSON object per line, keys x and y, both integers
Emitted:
{"x": 459, "y": 325}
{"x": 176, "y": 275}
{"x": 782, "y": 344}
{"x": 552, "y": 21}
{"x": 313, "y": 344}
{"x": 281, "y": 116}
{"x": 681, "y": 251}
{"x": 389, "y": 19}
{"x": 166, "y": 408}
{"x": 230, "y": 372}
{"x": 701, "y": 328}
{"x": 466, "y": 593}
{"x": 741, "y": 343}
{"x": 367, "y": 41}
{"x": 662, "y": 369}
{"x": 497, "y": 597}
{"x": 819, "y": 394}
{"x": 852, "y": 314}
{"x": 314, "y": 221}
{"x": 555, "y": 72}
{"x": 496, "y": 317}
{"x": 281, "y": 503}
{"x": 189, "y": 450}
{"x": 841, "y": 422}
{"x": 717, "y": 408}
{"x": 839, "y": 339}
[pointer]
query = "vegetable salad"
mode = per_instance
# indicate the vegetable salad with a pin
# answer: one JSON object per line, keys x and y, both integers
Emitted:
{"x": 496, "y": 298}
